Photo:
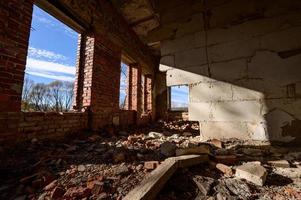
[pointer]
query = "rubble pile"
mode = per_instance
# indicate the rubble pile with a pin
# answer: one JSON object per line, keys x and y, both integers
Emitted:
{"x": 240, "y": 170}
{"x": 107, "y": 165}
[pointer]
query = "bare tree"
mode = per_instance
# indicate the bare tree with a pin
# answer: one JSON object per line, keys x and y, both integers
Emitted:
{"x": 68, "y": 88}
{"x": 39, "y": 96}
{"x": 55, "y": 95}
{"x": 27, "y": 87}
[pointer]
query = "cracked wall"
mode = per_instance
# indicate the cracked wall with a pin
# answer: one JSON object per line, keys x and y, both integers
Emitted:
{"x": 242, "y": 63}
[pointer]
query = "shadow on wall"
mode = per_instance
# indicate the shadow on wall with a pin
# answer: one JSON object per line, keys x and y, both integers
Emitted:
{"x": 242, "y": 63}
{"x": 257, "y": 98}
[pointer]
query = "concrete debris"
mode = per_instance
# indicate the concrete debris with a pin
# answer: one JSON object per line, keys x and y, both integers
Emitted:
{"x": 96, "y": 167}
{"x": 279, "y": 163}
{"x": 293, "y": 173}
{"x": 253, "y": 173}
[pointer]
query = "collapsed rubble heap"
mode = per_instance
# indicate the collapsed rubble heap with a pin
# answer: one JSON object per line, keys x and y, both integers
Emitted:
{"x": 110, "y": 164}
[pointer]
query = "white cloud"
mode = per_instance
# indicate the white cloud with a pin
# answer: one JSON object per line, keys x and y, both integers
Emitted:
{"x": 52, "y": 76}
{"x": 42, "y": 53}
{"x": 51, "y": 70}
{"x": 41, "y": 65}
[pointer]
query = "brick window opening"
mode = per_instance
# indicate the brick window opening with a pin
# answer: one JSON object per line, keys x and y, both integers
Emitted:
{"x": 50, "y": 66}
{"x": 124, "y": 86}
{"x": 179, "y": 97}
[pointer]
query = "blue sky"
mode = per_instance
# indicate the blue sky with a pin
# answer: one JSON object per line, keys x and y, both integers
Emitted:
{"x": 123, "y": 83}
{"x": 52, "y": 49}
{"x": 179, "y": 96}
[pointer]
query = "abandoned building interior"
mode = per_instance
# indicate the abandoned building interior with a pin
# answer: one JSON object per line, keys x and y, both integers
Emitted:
{"x": 238, "y": 138}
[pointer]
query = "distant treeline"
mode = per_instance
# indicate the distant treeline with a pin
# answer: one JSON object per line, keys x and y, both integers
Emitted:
{"x": 56, "y": 96}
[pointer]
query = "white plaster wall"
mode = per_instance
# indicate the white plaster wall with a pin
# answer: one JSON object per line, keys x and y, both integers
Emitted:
{"x": 237, "y": 78}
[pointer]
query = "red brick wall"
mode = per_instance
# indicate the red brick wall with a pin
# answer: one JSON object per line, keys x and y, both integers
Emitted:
{"x": 40, "y": 125}
{"x": 15, "y": 22}
{"x": 124, "y": 118}
{"x": 127, "y": 118}
{"x": 105, "y": 77}
{"x": 105, "y": 83}
{"x": 139, "y": 94}
{"x": 53, "y": 125}
{"x": 9, "y": 122}
{"x": 98, "y": 80}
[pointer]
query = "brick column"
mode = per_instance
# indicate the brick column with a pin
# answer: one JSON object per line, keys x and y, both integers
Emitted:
{"x": 128, "y": 105}
{"x": 15, "y": 23}
{"x": 98, "y": 80}
{"x": 83, "y": 78}
{"x": 148, "y": 93}
{"x": 135, "y": 98}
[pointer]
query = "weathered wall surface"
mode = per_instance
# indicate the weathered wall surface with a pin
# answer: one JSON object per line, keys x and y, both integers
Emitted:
{"x": 242, "y": 63}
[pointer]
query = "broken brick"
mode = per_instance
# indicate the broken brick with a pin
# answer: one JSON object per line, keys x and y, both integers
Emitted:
{"x": 151, "y": 165}
{"x": 225, "y": 169}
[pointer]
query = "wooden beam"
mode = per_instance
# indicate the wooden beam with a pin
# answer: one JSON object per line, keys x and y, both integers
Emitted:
{"x": 155, "y": 181}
